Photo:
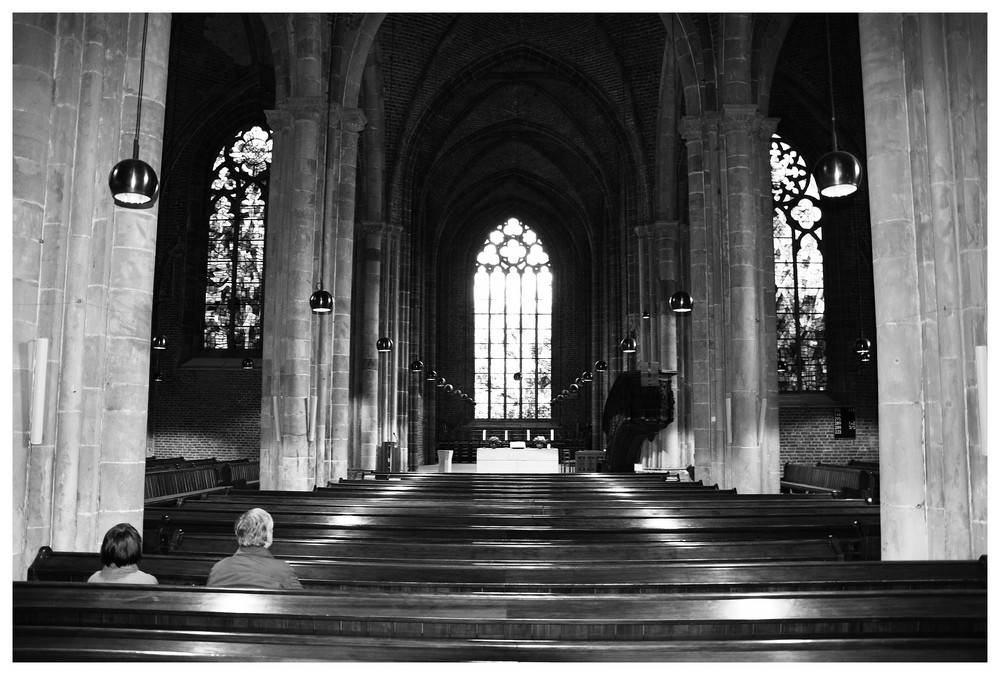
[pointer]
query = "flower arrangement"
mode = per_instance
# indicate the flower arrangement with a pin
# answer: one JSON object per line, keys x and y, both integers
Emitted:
{"x": 539, "y": 441}
{"x": 493, "y": 441}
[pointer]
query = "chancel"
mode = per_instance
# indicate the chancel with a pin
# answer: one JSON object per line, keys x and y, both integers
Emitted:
{"x": 541, "y": 336}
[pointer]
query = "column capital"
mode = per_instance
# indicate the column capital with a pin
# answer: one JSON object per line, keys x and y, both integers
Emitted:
{"x": 376, "y": 231}
{"x": 297, "y": 107}
{"x": 741, "y": 118}
{"x": 659, "y": 229}
{"x": 278, "y": 120}
{"x": 347, "y": 119}
{"x": 698, "y": 128}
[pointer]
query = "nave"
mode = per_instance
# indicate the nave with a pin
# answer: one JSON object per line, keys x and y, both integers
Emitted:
{"x": 526, "y": 567}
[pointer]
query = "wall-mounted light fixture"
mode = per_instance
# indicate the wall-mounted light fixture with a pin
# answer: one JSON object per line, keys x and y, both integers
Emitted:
{"x": 133, "y": 183}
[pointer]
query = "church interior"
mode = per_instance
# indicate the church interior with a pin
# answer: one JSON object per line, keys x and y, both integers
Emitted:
{"x": 350, "y": 251}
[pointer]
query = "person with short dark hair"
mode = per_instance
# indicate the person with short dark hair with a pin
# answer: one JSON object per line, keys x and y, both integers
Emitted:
{"x": 120, "y": 554}
{"x": 253, "y": 564}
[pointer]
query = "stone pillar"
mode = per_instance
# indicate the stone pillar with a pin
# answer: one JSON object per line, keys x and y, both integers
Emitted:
{"x": 340, "y": 225}
{"x": 391, "y": 318}
{"x": 926, "y": 140}
{"x": 370, "y": 298}
{"x": 288, "y": 460}
{"x": 747, "y": 284}
{"x": 706, "y": 376}
{"x": 82, "y": 278}
{"x": 659, "y": 239}
{"x": 732, "y": 284}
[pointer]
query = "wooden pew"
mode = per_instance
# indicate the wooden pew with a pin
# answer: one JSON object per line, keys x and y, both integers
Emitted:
{"x": 835, "y": 480}
{"x": 53, "y": 620}
{"x": 504, "y": 526}
{"x": 857, "y": 538}
{"x": 548, "y": 552}
{"x": 242, "y": 473}
{"x": 577, "y": 575}
{"x": 177, "y": 485}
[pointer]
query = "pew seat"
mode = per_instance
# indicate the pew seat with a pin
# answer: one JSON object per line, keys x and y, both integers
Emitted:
{"x": 897, "y": 625}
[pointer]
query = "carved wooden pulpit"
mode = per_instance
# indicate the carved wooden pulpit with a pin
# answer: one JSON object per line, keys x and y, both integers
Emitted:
{"x": 639, "y": 404}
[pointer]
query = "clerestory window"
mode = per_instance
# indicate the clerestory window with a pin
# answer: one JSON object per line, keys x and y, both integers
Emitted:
{"x": 513, "y": 325}
{"x": 798, "y": 272}
{"x": 234, "y": 279}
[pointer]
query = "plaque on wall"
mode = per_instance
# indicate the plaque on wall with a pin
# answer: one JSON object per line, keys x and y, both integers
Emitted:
{"x": 843, "y": 423}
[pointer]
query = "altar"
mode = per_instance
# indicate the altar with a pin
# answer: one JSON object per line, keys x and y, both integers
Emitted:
{"x": 517, "y": 460}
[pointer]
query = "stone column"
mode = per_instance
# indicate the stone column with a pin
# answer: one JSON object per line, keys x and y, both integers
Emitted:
{"x": 660, "y": 240}
{"x": 926, "y": 139}
{"x": 370, "y": 298}
{"x": 288, "y": 460}
{"x": 391, "y": 318}
{"x": 83, "y": 274}
{"x": 340, "y": 226}
{"x": 706, "y": 376}
{"x": 731, "y": 411}
{"x": 747, "y": 141}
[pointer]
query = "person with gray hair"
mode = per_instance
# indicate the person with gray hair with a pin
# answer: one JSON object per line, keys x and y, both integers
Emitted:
{"x": 253, "y": 564}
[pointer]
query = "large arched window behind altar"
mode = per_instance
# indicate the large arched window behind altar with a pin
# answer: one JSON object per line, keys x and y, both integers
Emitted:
{"x": 234, "y": 279}
{"x": 798, "y": 272}
{"x": 513, "y": 325}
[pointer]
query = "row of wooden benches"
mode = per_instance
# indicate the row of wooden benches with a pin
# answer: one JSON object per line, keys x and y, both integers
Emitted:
{"x": 353, "y": 512}
{"x": 466, "y": 567}
{"x": 840, "y": 480}
{"x": 865, "y": 622}
{"x": 172, "y": 485}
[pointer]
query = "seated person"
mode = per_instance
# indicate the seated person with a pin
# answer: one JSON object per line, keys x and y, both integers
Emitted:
{"x": 253, "y": 565}
{"x": 120, "y": 554}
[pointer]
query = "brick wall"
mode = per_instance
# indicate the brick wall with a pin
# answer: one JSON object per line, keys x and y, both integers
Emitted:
{"x": 206, "y": 413}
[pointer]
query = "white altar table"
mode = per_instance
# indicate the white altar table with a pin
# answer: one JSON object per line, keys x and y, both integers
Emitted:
{"x": 517, "y": 460}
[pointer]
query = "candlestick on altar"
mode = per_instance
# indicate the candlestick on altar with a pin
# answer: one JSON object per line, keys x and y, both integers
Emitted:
{"x": 552, "y": 434}
{"x": 484, "y": 434}
{"x": 527, "y": 435}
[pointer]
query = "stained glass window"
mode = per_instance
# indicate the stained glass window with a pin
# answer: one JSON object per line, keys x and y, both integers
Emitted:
{"x": 798, "y": 272}
{"x": 513, "y": 325}
{"x": 234, "y": 279}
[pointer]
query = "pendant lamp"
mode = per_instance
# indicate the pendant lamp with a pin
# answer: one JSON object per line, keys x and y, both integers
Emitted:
{"x": 628, "y": 345}
{"x": 247, "y": 364}
{"x": 133, "y": 183}
{"x": 837, "y": 173}
{"x": 321, "y": 302}
{"x": 383, "y": 344}
{"x": 680, "y": 302}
